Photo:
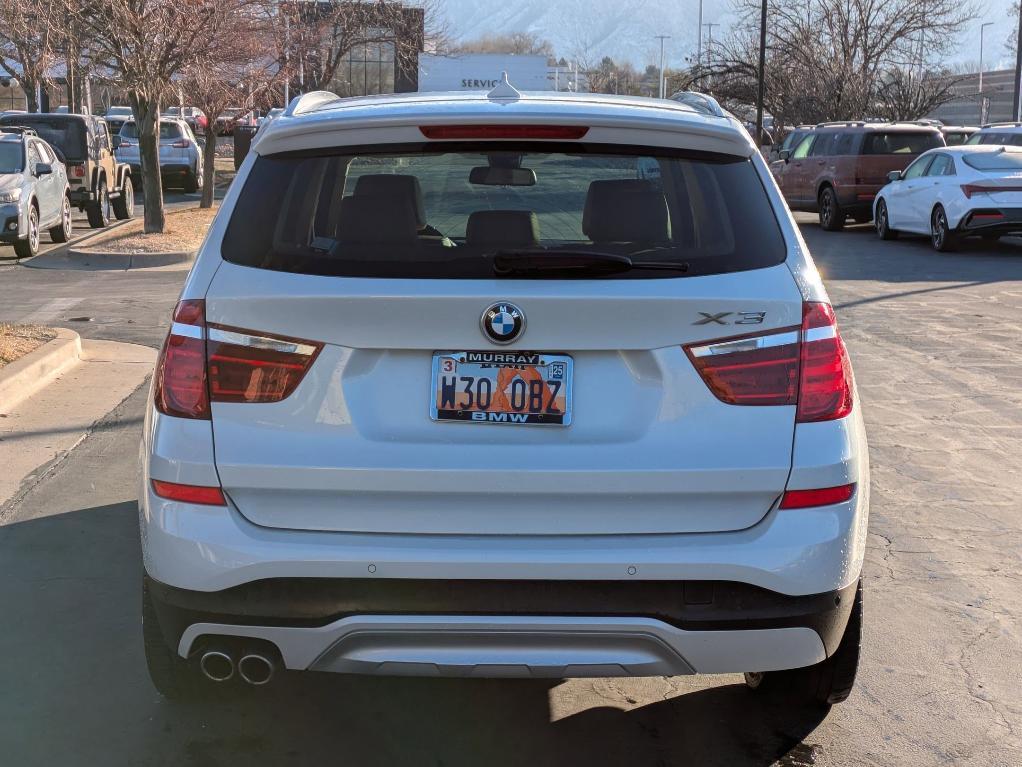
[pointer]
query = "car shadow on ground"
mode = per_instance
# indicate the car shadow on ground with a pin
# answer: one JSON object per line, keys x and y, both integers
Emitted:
{"x": 856, "y": 253}
{"x": 75, "y": 690}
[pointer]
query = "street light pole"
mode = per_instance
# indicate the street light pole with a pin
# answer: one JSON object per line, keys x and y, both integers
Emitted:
{"x": 982, "y": 100}
{"x": 699, "y": 38}
{"x": 762, "y": 72}
{"x": 709, "y": 31}
{"x": 663, "y": 83}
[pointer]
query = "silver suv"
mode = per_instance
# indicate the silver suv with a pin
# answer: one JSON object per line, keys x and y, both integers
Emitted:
{"x": 180, "y": 154}
{"x": 33, "y": 192}
{"x": 458, "y": 385}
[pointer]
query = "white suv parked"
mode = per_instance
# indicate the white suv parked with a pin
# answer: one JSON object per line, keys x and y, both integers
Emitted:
{"x": 457, "y": 386}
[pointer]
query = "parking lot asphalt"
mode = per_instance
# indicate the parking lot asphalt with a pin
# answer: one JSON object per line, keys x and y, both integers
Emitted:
{"x": 935, "y": 340}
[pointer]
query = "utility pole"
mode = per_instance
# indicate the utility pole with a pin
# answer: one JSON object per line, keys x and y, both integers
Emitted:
{"x": 663, "y": 83}
{"x": 762, "y": 72}
{"x": 982, "y": 98}
{"x": 709, "y": 32}
{"x": 1018, "y": 73}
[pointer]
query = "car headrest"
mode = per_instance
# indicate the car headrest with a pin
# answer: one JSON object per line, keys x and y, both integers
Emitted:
{"x": 377, "y": 219}
{"x": 391, "y": 185}
{"x": 625, "y": 210}
{"x": 503, "y": 228}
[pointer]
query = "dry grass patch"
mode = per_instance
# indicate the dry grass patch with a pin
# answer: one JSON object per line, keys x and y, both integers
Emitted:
{"x": 184, "y": 232}
{"x": 18, "y": 340}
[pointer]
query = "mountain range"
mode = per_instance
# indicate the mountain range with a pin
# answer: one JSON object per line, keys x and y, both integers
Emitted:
{"x": 588, "y": 30}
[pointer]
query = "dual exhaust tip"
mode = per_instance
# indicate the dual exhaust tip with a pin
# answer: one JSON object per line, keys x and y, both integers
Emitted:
{"x": 254, "y": 668}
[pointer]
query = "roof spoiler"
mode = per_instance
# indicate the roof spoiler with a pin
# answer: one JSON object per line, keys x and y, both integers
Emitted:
{"x": 309, "y": 102}
{"x": 700, "y": 102}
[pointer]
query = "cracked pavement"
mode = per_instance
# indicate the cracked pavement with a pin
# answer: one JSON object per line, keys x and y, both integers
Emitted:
{"x": 935, "y": 340}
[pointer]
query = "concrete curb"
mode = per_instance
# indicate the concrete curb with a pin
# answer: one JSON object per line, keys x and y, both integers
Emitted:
{"x": 24, "y": 377}
{"x": 98, "y": 260}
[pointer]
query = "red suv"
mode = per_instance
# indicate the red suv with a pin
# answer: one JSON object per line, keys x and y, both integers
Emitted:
{"x": 838, "y": 168}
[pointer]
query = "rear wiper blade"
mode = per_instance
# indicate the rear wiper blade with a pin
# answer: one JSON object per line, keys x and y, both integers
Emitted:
{"x": 573, "y": 262}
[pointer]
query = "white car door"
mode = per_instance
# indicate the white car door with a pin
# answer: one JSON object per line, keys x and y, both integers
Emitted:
{"x": 933, "y": 188}
{"x": 903, "y": 205}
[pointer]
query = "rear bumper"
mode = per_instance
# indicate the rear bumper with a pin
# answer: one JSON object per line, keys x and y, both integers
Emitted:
{"x": 991, "y": 220}
{"x": 509, "y": 628}
{"x": 81, "y": 195}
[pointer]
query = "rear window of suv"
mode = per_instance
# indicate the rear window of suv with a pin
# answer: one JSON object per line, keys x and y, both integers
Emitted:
{"x": 65, "y": 133}
{"x": 446, "y": 212}
{"x": 167, "y": 130}
{"x": 900, "y": 142}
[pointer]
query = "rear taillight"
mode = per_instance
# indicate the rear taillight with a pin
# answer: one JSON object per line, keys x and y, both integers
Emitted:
{"x": 78, "y": 170}
{"x": 179, "y": 387}
{"x": 806, "y": 366}
{"x": 201, "y": 494}
{"x": 182, "y": 144}
{"x": 825, "y": 374}
{"x": 755, "y": 370}
{"x": 504, "y": 131}
{"x": 201, "y": 364}
{"x": 823, "y": 496}
{"x": 124, "y": 143}
{"x": 248, "y": 367}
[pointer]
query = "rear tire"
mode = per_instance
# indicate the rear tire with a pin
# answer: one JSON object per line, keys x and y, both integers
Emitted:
{"x": 191, "y": 184}
{"x": 98, "y": 212}
{"x": 832, "y": 218}
{"x": 124, "y": 206}
{"x": 941, "y": 236}
{"x": 172, "y": 676}
{"x": 882, "y": 222}
{"x": 62, "y": 231}
{"x": 825, "y": 683}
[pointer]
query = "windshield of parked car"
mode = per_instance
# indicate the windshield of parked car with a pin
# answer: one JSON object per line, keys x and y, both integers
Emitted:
{"x": 900, "y": 142}
{"x": 996, "y": 160}
{"x": 993, "y": 137}
{"x": 168, "y": 130}
{"x": 447, "y": 213}
{"x": 12, "y": 157}
{"x": 66, "y": 134}
{"x": 118, "y": 112}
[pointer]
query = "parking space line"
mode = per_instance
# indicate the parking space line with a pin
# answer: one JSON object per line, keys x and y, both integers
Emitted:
{"x": 50, "y": 310}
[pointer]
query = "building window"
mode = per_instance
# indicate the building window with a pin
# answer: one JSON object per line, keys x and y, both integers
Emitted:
{"x": 367, "y": 69}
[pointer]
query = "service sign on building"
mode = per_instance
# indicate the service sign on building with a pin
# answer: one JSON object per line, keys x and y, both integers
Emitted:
{"x": 481, "y": 72}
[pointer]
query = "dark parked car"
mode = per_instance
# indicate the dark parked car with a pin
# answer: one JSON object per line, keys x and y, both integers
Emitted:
{"x": 99, "y": 184}
{"x": 838, "y": 168}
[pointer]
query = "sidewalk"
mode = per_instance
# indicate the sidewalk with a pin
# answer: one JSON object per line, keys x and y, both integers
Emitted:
{"x": 41, "y": 430}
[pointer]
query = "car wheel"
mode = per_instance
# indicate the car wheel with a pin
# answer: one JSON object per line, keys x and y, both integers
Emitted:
{"x": 825, "y": 683}
{"x": 98, "y": 212}
{"x": 171, "y": 675}
{"x": 832, "y": 218}
{"x": 882, "y": 222}
{"x": 191, "y": 182}
{"x": 62, "y": 231}
{"x": 29, "y": 246}
{"x": 124, "y": 206}
{"x": 941, "y": 236}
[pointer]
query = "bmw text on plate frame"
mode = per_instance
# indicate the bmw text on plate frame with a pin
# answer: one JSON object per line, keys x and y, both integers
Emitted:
{"x": 514, "y": 387}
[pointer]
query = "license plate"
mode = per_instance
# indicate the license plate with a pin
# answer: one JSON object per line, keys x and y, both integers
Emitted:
{"x": 502, "y": 387}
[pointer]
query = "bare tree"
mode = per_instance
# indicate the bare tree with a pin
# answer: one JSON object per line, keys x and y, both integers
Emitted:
{"x": 234, "y": 72}
{"x": 28, "y": 41}
{"x": 517, "y": 43}
{"x": 904, "y": 95}
{"x": 827, "y": 59}
{"x": 313, "y": 39}
{"x": 147, "y": 45}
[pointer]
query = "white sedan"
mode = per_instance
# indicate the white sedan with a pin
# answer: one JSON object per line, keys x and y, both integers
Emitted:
{"x": 954, "y": 192}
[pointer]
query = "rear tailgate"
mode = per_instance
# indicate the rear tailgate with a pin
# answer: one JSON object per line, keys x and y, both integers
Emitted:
{"x": 650, "y": 448}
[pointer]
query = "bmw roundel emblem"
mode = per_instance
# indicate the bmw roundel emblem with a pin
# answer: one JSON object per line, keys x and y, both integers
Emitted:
{"x": 502, "y": 322}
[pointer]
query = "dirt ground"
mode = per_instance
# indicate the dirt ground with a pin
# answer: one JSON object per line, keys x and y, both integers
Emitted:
{"x": 184, "y": 231}
{"x": 18, "y": 340}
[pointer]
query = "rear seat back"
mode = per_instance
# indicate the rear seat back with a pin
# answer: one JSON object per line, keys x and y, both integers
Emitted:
{"x": 503, "y": 229}
{"x": 397, "y": 187}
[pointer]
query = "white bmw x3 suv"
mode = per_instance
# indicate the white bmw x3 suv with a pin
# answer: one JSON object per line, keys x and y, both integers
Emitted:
{"x": 459, "y": 385}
